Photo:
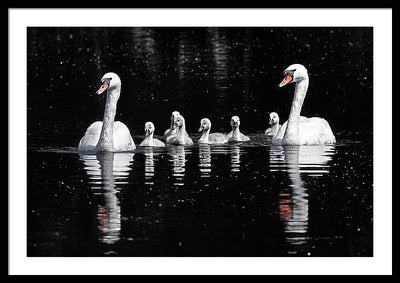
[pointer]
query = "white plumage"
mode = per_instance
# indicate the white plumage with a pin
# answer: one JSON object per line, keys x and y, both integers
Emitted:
{"x": 108, "y": 135}
{"x": 121, "y": 137}
{"x": 312, "y": 130}
{"x": 298, "y": 129}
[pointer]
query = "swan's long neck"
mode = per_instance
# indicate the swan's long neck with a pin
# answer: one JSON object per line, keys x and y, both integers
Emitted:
{"x": 236, "y": 133}
{"x": 149, "y": 139}
{"x": 180, "y": 135}
{"x": 292, "y": 131}
{"x": 171, "y": 126}
{"x": 205, "y": 136}
{"x": 106, "y": 142}
{"x": 274, "y": 129}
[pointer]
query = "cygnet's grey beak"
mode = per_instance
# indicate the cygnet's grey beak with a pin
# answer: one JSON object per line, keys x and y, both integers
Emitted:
{"x": 201, "y": 128}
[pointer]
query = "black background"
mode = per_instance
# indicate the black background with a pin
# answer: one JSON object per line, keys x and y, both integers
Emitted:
{"x": 201, "y": 72}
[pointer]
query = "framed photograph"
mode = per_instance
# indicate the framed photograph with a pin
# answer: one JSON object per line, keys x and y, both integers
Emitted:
{"x": 200, "y": 141}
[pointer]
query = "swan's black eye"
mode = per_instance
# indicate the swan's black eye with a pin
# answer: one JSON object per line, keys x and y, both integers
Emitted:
{"x": 290, "y": 72}
{"x": 107, "y": 80}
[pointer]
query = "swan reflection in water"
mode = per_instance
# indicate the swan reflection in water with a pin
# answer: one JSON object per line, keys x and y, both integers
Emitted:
{"x": 205, "y": 160}
{"x": 178, "y": 159}
{"x": 298, "y": 162}
{"x": 106, "y": 171}
{"x": 148, "y": 165}
{"x": 235, "y": 158}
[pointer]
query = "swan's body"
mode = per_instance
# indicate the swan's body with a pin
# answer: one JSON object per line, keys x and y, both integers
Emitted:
{"x": 149, "y": 139}
{"x": 180, "y": 137}
{"x": 170, "y": 134}
{"x": 206, "y": 137}
{"x": 312, "y": 130}
{"x": 122, "y": 139}
{"x": 274, "y": 125}
{"x": 172, "y": 130}
{"x": 235, "y": 135}
{"x": 108, "y": 135}
{"x": 300, "y": 130}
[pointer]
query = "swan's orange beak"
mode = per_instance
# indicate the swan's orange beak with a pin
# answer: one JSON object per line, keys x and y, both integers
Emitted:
{"x": 102, "y": 88}
{"x": 286, "y": 80}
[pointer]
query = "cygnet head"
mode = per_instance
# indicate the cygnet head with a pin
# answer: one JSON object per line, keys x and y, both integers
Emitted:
{"x": 149, "y": 128}
{"x": 293, "y": 74}
{"x": 273, "y": 118}
{"x": 109, "y": 81}
{"x": 205, "y": 124}
{"x": 173, "y": 116}
{"x": 235, "y": 122}
{"x": 179, "y": 121}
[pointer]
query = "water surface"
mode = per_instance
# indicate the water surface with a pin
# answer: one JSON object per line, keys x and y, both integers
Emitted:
{"x": 245, "y": 199}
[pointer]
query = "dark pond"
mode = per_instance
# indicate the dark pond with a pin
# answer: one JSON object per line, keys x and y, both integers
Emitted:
{"x": 245, "y": 199}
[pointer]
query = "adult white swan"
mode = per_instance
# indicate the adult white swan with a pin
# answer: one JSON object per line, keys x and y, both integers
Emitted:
{"x": 108, "y": 135}
{"x": 301, "y": 130}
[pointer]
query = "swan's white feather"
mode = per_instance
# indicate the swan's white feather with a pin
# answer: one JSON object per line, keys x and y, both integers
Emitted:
{"x": 312, "y": 131}
{"x": 231, "y": 138}
{"x": 121, "y": 136}
{"x": 153, "y": 142}
{"x": 217, "y": 138}
{"x": 173, "y": 139}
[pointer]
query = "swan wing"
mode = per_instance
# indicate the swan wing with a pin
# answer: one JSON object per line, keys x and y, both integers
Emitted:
{"x": 315, "y": 130}
{"x": 188, "y": 140}
{"x": 145, "y": 142}
{"x": 168, "y": 133}
{"x": 312, "y": 131}
{"x": 244, "y": 137}
{"x": 122, "y": 138}
{"x": 217, "y": 138}
{"x": 157, "y": 142}
{"x": 89, "y": 141}
{"x": 170, "y": 138}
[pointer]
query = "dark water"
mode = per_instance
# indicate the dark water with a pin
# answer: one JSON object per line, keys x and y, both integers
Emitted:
{"x": 248, "y": 199}
{"x": 230, "y": 200}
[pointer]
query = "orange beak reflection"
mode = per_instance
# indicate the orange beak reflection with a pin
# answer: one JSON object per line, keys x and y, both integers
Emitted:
{"x": 102, "y": 88}
{"x": 286, "y": 80}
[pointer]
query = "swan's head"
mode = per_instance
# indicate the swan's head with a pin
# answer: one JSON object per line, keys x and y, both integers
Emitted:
{"x": 179, "y": 121}
{"x": 109, "y": 81}
{"x": 235, "y": 122}
{"x": 174, "y": 115}
{"x": 205, "y": 124}
{"x": 293, "y": 74}
{"x": 149, "y": 128}
{"x": 273, "y": 118}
